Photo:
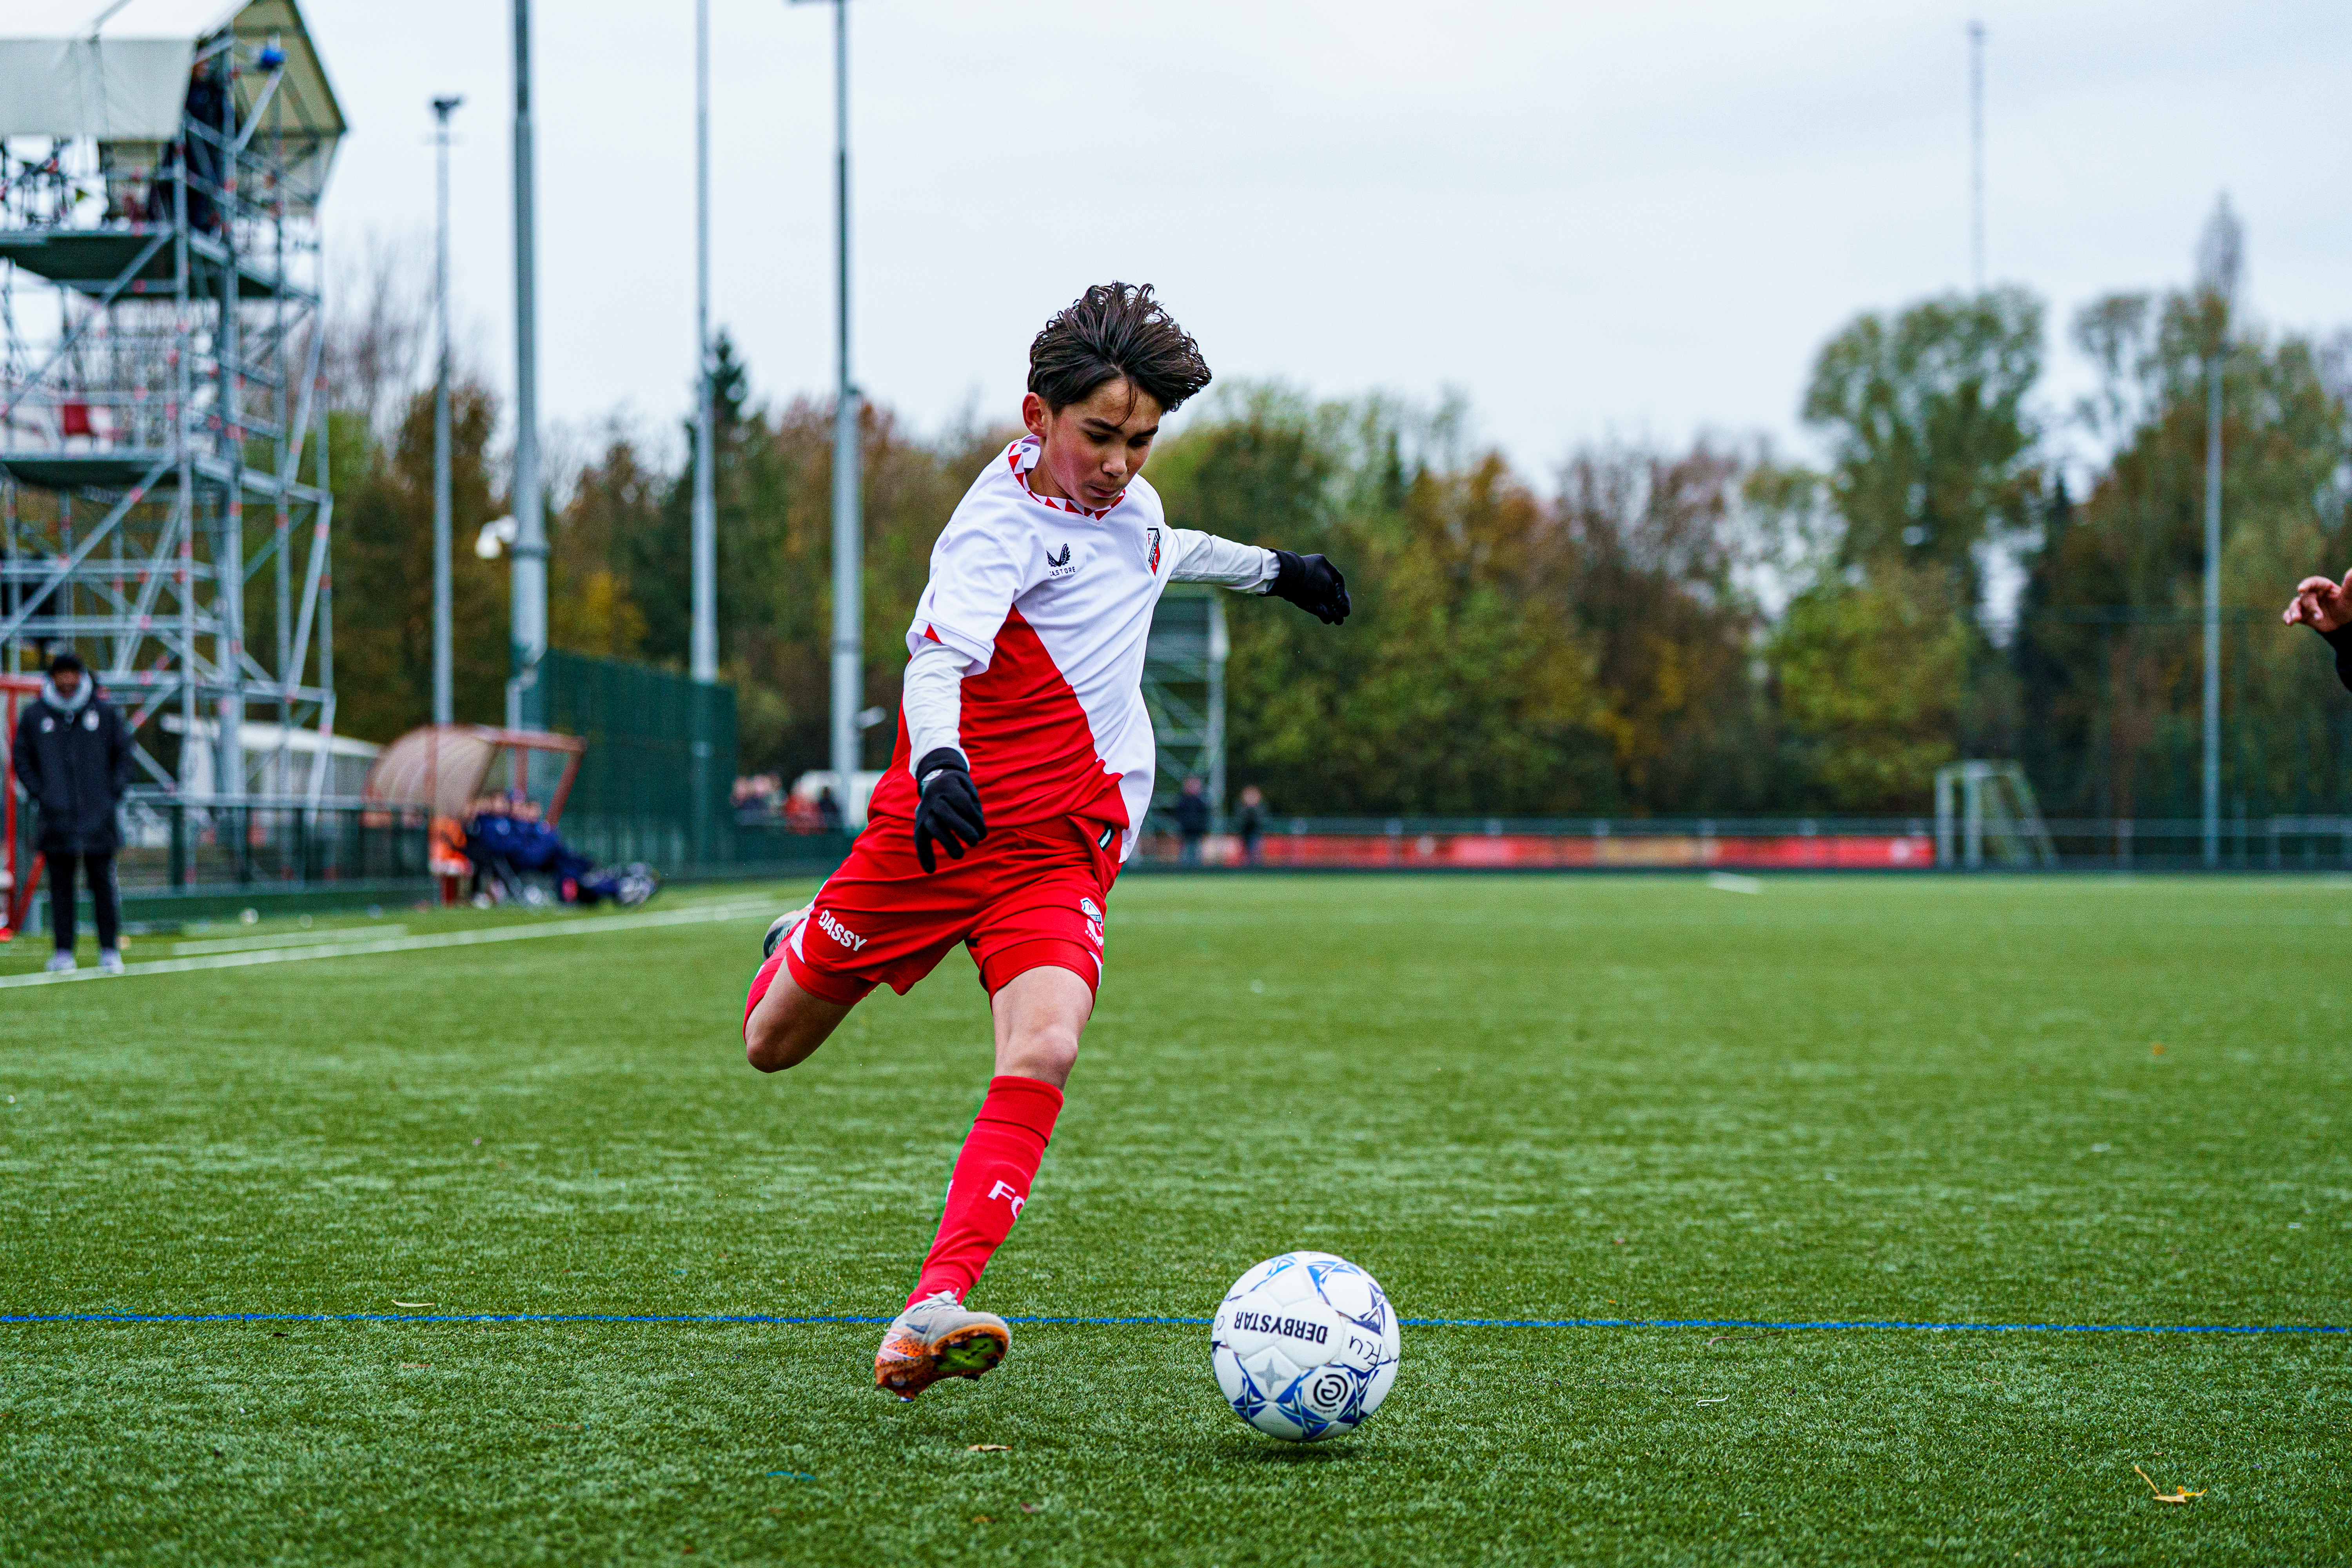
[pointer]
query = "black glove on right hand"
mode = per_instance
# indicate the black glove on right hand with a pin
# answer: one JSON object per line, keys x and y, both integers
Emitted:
{"x": 1312, "y": 583}
{"x": 949, "y": 813}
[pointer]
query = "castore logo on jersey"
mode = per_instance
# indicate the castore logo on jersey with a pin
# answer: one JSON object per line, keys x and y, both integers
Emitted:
{"x": 1060, "y": 565}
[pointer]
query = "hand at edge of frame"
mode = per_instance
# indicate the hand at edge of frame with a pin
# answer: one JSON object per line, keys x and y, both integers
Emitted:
{"x": 2321, "y": 603}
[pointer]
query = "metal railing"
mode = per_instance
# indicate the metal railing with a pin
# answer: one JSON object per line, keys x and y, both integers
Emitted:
{"x": 2279, "y": 843}
{"x": 289, "y": 842}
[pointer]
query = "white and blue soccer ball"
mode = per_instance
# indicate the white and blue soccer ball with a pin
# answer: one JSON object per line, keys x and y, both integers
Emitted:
{"x": 1305, "y": 1346}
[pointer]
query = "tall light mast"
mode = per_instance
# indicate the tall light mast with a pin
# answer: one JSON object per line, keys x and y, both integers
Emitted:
{"x": 2216, "y": 269}
{"x": 529, "y": 634}
{"x": 1976, "y": 156}
{"x": 848, "y": 530}
{"x": 442, "y": 705}
{"x": 704, "y": 661}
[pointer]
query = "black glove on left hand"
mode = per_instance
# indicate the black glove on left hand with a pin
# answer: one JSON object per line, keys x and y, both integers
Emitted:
{"x": 1312, "y": 583}
{"x": 949, "y": 812}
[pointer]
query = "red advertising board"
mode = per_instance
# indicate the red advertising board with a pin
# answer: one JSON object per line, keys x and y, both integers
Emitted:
{"x": 1524, "y": 851}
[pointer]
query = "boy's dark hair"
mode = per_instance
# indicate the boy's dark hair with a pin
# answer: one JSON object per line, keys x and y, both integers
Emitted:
{"x": 1115, "y": 330}
{"x": 64, "y": 659}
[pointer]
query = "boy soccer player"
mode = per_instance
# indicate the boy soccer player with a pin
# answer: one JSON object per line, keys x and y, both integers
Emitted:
{"x": 1025, "y": 754}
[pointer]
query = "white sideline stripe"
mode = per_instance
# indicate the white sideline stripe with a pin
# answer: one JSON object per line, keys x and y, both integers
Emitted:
{"x": 287, "y": 939}
{"x": 591, "y": 925}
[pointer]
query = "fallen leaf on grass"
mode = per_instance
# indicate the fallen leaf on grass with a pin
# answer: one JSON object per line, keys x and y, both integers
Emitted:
{"x": 981, "y": 1519}
{"x": 1032, "y": 1507}
{"x": 415, "y": 1366}
{"x": 415, "y": 1303}
{"x": 2179, "y": 1494}
{"x": 989, "y": 1448}
{"x": 1725, "y": 1399}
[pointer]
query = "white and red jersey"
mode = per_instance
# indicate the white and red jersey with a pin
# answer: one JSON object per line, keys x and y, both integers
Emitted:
{"x": 1049, "y": 606}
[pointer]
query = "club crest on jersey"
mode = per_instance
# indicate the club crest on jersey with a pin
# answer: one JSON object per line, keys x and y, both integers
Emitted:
{"x": 1153, "y": 536}
{"x": 1089, "y": 909}
{"x": 1060, "y": 565}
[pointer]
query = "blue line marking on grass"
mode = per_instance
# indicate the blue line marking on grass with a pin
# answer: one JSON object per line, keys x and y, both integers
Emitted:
{"x": 722, "y": 1319}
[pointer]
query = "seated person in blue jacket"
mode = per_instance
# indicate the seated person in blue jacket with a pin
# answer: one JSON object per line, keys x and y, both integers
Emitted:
{"x": 508, "y": 830}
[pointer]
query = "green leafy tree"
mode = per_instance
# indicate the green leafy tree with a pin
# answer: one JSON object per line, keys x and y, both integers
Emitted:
{"x": 1652, "y": 559}
{"x": 384, "y": 571}
{"x": 1457, "y": 686}
{"x": 1931, "y": 439}
{"x": 1869, "y": 673}
{"x": 2110, "y": 650}
{"x": 593, "y": 605}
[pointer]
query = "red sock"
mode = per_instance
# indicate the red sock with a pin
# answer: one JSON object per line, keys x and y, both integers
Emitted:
{"x": 991, "y": 1182}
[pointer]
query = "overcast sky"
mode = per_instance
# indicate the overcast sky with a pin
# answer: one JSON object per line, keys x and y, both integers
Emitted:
{"x": 1592, "y": 221}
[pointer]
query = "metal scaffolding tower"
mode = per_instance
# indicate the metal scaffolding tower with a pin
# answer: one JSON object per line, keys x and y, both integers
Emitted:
{"x": 162, "y": 418}
{"x": 1184, "y": 692}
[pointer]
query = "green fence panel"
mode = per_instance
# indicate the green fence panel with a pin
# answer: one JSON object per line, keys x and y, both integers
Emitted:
{"x": 655, "y": 783}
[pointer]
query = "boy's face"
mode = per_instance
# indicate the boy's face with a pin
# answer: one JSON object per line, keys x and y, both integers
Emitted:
{"x": 1094, "y": 447}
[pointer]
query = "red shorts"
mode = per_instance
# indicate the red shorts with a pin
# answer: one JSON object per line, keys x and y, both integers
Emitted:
{"x": 1023, "y": 898}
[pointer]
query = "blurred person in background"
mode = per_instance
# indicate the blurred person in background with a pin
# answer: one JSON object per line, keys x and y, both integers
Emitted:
{"x": 1250, "y": 822}
{"x": 1193, "y": 819}
{"x": 73, "y": 756}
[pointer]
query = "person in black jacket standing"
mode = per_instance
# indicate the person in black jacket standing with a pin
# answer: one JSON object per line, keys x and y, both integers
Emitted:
{"x": 1192, "y": 820}
{"x": 73, "y": 756}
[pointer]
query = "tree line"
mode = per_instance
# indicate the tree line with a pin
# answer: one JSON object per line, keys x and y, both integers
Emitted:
{"x": 1668, "y": 631}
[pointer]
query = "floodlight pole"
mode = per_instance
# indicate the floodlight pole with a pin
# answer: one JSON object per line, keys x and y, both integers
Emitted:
{"x": 705, "y": 652}
{"x": 849, "y": 531}
{"x": 2213, "y": 607}
{"x": 1976, "y": 154}
{"x": 703, "y": 661}
{"x": 527, "y": 637}
{"x": 441, "y": 662}
{"x": 2217, "y": 286}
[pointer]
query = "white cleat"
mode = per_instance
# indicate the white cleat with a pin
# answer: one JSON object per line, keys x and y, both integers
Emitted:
{"x": 938, "y": 1337}
{"x": 782, "y": 927}
{"x": 109, "y": 960}
{"x": 61, "y": 964}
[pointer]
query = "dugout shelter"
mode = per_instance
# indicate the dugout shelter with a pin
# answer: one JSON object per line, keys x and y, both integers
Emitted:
{"x": 448, "y": 767}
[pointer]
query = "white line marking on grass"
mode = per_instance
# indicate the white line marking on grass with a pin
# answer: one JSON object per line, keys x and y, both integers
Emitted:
{"x": 1731, "y": 882}
{"x": 286, "y": 938}
{"x": 576, "y": 925}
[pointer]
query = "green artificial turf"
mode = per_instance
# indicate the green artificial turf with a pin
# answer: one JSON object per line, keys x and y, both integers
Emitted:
{"x": 1919, "y": 1099}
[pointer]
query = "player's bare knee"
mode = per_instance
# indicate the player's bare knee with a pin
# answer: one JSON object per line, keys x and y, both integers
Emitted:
{"x": 768, "y": 1045}
{"x": 1046, "y": 1051}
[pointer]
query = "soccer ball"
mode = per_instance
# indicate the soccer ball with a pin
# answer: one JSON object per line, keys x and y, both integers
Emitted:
{"x": 1305, "y": 1346}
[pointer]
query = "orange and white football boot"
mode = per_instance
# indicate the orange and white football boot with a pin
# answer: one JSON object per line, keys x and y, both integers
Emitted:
{"x": 938, "y": 1337}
